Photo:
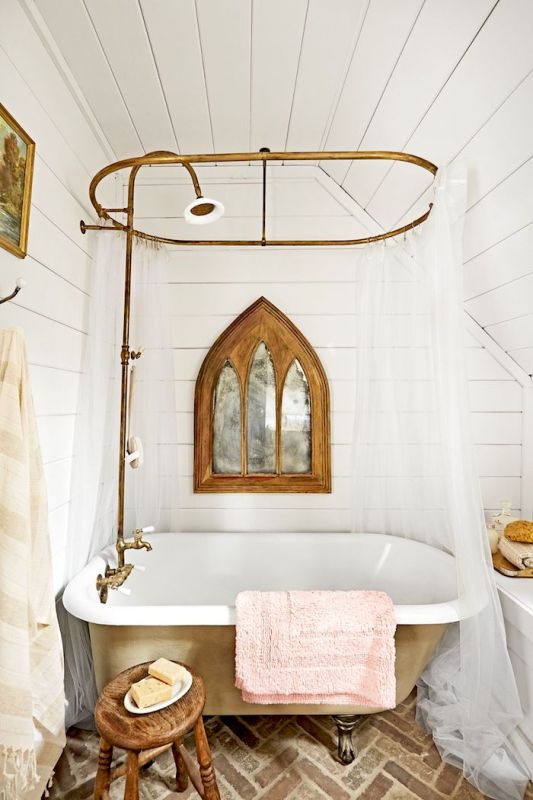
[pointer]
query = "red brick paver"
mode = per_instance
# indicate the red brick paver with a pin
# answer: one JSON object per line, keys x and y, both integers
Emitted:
{"x": 290, "y": 758}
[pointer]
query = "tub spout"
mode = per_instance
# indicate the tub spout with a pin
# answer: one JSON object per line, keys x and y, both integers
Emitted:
{"x": 137, "y": 543}
{"x": 141, "y": 544}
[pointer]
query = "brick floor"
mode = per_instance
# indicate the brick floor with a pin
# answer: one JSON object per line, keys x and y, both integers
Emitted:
{"x": 289, "y": 758}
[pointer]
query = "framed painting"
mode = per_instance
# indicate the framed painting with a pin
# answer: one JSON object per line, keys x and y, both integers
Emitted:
{"x": 17, "y": 152}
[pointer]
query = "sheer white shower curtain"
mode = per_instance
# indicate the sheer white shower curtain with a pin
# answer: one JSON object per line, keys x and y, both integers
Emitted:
{"x": 414, "y": 471}
{"x": 414, "y": 475}
{"x": 93, "y": 508}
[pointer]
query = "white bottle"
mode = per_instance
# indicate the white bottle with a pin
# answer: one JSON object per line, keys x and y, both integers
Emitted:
{"x": 494, "y": 537}
{"x": 498, "y": 523}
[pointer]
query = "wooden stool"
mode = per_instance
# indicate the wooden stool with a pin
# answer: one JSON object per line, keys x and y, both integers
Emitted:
{"x": 145, "y": 736}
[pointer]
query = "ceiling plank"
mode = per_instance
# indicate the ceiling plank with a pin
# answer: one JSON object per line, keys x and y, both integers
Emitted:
{"x": 225, "y": 40}
{"x": 32, "y": 58}
{"x": 121, "y": 30}
{"x": 331, "y": 32}
{"x": 487, "y": 155}
{"x": 440, "y": 36}
{"x": 498, "y": 60}
{"x": 275, "y": 56}
{"x": 385, "y": 29}
{"x": 179, "y": 61}
{"x": 73, "y": 31}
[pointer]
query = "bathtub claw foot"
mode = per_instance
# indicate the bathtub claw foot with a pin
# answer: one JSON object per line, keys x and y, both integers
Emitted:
{"x": 346, "y": 724}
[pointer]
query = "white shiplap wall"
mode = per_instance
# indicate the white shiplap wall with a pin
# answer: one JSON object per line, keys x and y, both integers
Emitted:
{"x": 445, "y": 80}
{"x": 52, "y": 308}
{"x": 209, "y": 287}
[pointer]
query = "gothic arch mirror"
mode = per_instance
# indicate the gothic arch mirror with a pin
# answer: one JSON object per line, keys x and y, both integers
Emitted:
{"x": 261, "y": 413}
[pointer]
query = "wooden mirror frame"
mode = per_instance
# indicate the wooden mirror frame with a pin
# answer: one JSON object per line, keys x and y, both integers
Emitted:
{"x": 262, "y": 322}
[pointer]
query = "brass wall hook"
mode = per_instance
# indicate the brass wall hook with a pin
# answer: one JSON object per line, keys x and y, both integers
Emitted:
{"x": 21, "y": 283}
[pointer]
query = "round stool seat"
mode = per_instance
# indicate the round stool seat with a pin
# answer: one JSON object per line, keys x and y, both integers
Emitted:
{"x": 121, "y": 728}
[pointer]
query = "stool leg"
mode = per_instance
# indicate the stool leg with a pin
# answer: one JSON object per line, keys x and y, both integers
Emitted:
{"x": 103, "y": 773}
{"x": 182, "y": 776}
{"x": 131, "y": 792}
{"x": 204, "y": 759}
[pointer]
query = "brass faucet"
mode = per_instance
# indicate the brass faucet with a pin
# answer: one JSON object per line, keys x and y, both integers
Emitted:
{"x": 137, "y": 543}
{"x": 114, "y": 578}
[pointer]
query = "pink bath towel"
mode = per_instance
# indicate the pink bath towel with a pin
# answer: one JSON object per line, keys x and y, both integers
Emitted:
{"x": 316, "y": 647}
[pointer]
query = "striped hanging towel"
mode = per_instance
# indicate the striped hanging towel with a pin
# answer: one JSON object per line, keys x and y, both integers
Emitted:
{"x": 32, "y": 733}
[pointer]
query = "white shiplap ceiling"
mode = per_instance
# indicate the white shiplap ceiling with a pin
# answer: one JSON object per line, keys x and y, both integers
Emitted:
{"x": 445, "y": 79}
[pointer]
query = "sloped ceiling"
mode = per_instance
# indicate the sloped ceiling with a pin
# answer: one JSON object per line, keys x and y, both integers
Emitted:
{"x": 445, "y": 80}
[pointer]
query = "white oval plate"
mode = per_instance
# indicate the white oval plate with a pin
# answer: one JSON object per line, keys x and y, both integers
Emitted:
{"x": 179, "y": 690}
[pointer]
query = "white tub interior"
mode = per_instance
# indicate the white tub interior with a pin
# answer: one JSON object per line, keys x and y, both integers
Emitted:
{"x": 193, "y": 578}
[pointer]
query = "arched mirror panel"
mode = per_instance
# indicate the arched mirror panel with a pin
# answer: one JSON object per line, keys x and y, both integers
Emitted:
{"x": 261, "y": 414}
{"x": 295, "y": 422}
{"x": 227, "y": 423}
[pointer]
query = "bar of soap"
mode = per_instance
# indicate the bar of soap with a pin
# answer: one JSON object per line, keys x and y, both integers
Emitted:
{"x": 167, "y": 671}
{"x": 149, "y": 691}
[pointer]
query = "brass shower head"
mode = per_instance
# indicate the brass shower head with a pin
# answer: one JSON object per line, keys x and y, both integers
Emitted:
{"x": 203, "y": 210}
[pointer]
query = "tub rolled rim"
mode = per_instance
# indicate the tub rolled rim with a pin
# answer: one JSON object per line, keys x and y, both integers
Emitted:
{"x": 81, "y": 600}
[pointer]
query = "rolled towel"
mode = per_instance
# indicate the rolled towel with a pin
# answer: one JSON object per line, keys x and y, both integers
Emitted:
{"x": 518, "y": 553}
{"x": 521, "y": 530}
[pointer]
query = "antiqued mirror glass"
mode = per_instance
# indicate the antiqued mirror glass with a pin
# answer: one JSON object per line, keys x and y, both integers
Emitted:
{"x": 261, "y": 414}
{"x": 227, "y": 416}
{"x": 295, "y": 422}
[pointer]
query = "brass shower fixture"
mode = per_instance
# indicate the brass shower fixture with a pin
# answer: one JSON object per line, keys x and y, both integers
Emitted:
{"x": 205, "y": 209}
{"x": 201, "y": 210}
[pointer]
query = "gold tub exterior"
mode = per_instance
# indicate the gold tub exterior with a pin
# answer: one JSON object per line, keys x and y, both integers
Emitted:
{"x": 210, "y": 650}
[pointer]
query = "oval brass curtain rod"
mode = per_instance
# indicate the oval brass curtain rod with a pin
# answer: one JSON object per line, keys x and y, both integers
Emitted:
{"x": 166, "y": 158}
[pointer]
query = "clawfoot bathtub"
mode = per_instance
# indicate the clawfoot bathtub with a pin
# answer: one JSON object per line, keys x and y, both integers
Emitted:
{"x": 182, "y": 606}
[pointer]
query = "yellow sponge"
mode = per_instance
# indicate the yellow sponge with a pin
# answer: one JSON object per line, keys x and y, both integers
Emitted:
{"x": 519, "y": 531}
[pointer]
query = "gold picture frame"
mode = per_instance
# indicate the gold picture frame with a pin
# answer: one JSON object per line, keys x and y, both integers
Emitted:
{"x": 17, "y": 154}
